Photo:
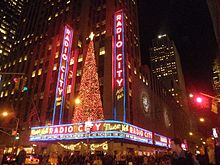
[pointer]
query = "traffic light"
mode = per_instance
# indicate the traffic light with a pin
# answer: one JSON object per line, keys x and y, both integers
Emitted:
{"x": 23, "y": 84}
{"x": 201, "y": 102}
{"x": 17, "y": 82}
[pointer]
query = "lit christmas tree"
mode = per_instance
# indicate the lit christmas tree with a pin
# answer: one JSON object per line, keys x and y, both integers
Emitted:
{"x": 90, "y": 106}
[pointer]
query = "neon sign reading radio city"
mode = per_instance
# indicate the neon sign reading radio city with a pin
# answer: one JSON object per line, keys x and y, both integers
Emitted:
{"x": 62, "y": 74}
{"x": 119, "y": 56}
{"x": 64, "y": 57}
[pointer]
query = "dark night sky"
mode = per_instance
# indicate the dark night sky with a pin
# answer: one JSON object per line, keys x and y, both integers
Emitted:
{"x": 188, "y": 23}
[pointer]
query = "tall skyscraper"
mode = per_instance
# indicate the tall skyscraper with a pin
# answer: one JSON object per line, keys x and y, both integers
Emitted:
{"x": 214, "y": 8}
{"x": 166, "y": 67}
{"x": 9, "y": 15}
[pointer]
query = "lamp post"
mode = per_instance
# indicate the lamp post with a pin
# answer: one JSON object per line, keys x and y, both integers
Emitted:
{"x": 14, "y": 131}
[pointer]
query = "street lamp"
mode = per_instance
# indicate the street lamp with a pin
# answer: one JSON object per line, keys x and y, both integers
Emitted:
{"x": 14, "y": 131}
{"x": 202, "y": 119}
{"x": 190, "y": 133}
{"x": 4, "y": 114}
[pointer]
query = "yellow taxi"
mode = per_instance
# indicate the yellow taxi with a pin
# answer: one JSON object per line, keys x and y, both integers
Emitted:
{"x": 31, "y": 159}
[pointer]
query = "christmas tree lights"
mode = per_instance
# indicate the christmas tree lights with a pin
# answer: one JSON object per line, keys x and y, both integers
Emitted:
{"x": 90, "y": 106}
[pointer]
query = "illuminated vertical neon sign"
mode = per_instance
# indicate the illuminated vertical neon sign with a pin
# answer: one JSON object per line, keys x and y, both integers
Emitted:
{"x": 119, "y": 66}
{"x": 62, "y": 75}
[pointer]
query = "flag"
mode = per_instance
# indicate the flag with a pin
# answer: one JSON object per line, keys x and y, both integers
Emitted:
{"x": 214, "y": 106}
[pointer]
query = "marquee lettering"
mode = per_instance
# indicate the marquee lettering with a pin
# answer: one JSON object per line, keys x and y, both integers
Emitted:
{"x": 118, "y": 47}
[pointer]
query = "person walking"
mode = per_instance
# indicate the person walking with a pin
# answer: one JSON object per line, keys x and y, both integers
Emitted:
{"x": 20, "y": 160}
{"x": 212, "y": 152}
{"x": 179, "y": 156}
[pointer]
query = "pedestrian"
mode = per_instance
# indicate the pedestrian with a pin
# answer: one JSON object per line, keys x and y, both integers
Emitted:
{"x": 179, "y": 156}
{"x": 212, "y": 152}
{"x": 53, "y": 158}
{"x": 20, "y": 159}
{"x": 97, "y": 161}
{"x": 201, "y": 157}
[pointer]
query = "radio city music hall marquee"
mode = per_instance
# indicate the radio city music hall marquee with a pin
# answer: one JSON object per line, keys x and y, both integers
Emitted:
{"x": 106, "y": 129}
{"x": 97, "y": 129}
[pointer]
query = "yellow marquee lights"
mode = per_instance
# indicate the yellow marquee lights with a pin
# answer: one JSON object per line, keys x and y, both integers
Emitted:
{"x": 73, "y": 147}
{"x": 79, "y": 145}
{"x": 103, "y": 145}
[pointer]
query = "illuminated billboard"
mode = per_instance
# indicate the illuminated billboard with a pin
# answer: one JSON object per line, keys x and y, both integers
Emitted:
{"x": 62, "y": 76}
{"x": 92, "y": 130}
{"x": 118, "y": 58}
{"x": 161, "y": 141}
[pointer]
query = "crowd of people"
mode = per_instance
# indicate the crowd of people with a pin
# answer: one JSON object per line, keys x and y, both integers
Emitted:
{"x": 208, "y": 155}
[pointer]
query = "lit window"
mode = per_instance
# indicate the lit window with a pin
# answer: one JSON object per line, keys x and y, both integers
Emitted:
{"x": 12, "y": 92}
{"x": 80, "y": 59}
{"x": 78, "y": 73}
{"x": 72, "y": 61}
{"x": 102, "y": 51}
{"x": 0, "y": 51}
{"x": 67, "y": 2}
{"x": 135, "y": 72}
{"x": 130, "y": 92}
{"x": 2, "y": 93}
{"x": 5, "y": 37}
{"x": 14, "y": 62}
{"x": 55, "y": 67}
{"x": 57, "y": 55}
{"x": 25, "y": 58}
{"x": 69, "y": 89}
{"x": 50, "y": 46}
{"x": 67, "y": 8}
{"x": 56, "y": 14}
{"x": 79, "y": 44}
{"x": 33, "y": 73}
{"x": 129, "y": 66}
{"x": 39, "y": 72}
{"x": 20, "y": 59}
{"x": 2, "y": 31}
{"x": 49, "y": 18}
{"x": 6, "y": 93}
{"x": 103, "y": 32}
